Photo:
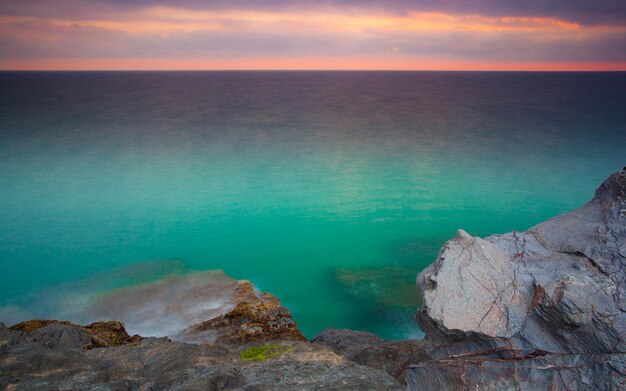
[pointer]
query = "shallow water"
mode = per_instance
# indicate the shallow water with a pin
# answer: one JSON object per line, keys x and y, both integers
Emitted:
{"x": 329, "y": 189}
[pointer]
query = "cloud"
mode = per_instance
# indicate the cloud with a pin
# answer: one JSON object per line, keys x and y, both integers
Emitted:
{"x": 588, "y": 12}
{"x": 144, "y": 30}
{"x": 321, "y": 35}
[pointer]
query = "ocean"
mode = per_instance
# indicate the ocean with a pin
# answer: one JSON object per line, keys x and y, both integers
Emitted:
{"x": 331, "y": 190}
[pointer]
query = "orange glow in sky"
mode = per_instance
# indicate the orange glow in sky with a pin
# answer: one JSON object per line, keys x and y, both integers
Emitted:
{"x": 170, "y": 38}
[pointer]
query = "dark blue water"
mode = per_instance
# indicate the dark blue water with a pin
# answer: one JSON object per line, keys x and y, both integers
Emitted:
{"x": 329, "y": 189}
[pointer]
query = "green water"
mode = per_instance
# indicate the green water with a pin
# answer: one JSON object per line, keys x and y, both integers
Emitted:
{"x": 330, "y": 190}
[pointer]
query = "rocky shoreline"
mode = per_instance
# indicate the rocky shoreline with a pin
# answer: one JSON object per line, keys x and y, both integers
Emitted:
{"x": 543, "y": 309}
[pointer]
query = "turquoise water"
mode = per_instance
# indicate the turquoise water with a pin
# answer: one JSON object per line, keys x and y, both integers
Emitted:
{"x": 331, "y": 190}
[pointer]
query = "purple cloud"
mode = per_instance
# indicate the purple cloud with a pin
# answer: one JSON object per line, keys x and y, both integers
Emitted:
{"x": 588, "y": 12}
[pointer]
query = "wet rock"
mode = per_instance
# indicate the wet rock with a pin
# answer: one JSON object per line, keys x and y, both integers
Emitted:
{"x": 387, "y": 287}
{"x": 111, "y": 333}
{"x": 256, "y": 317}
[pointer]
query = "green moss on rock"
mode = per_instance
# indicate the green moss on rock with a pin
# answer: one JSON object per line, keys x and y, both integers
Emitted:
{"x": 260, "y": 353}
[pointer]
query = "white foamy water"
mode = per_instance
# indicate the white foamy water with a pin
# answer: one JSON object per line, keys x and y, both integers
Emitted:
{"x": 158, "y": 308}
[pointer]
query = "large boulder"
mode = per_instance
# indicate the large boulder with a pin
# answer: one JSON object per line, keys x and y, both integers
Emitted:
{"x": 556, "y": 289}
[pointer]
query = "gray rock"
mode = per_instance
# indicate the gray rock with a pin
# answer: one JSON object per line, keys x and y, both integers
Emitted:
{"x": 61, "y": 336}
{"x": 556, "y": 290}
{"x": 164, "y": 365}
{"x": 47, "y": 354}
{"x": 551, "y": 372}
{"x": 347, "y": 343}
{"x": 394, "y": 357}
{"x": 370, "y": 350}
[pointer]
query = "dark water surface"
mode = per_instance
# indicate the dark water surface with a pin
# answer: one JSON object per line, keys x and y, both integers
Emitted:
{"x": 329, "y": 189}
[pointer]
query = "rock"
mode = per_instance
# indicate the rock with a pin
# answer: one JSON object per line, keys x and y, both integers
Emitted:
{"x": 387, "y": 287}
{"x": 62, "y": 334}
{"x": 32, "y": 325}
{"x": 394, "y": 357}
{"x": 159, "y": 364}
{"x": 256, "y": 317}
{"x": 549, "y": 372}
{"x": 474, "y": 287}
{"x": 369, "y": 350}
{"x": 254, "y": 346}
{"x": 5, "y": 335}
{"x": 347, "y": 343}
{"x": 111, "y": 333}
{"x": 545, "y": 305}
{"x": 311, "y": 367}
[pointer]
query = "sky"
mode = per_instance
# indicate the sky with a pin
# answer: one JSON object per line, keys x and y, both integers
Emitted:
{"x": 313, "y": 34}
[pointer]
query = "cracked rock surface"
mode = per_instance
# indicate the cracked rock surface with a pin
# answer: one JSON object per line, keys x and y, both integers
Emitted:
{"x": 531, "y": 310}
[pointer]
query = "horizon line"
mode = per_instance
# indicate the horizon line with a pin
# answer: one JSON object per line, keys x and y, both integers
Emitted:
{"x": 308, "y": 70}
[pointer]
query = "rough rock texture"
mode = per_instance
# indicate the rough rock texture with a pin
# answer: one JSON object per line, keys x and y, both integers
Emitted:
{"x": 256, "y": 317}
{"x": 45, "y": 354}
{"x": 55, "y": 333}
{"x": 160, "y": 364}
{"x": 549, "y": 372}
{"x": 534, "y": 309}
{"x": 364, "y": 348}
{"x": 348, "y": 343}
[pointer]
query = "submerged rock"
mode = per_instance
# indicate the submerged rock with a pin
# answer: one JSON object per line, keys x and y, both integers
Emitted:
{"x": 526, "y": 310}
{"x": 387, "y": 287}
